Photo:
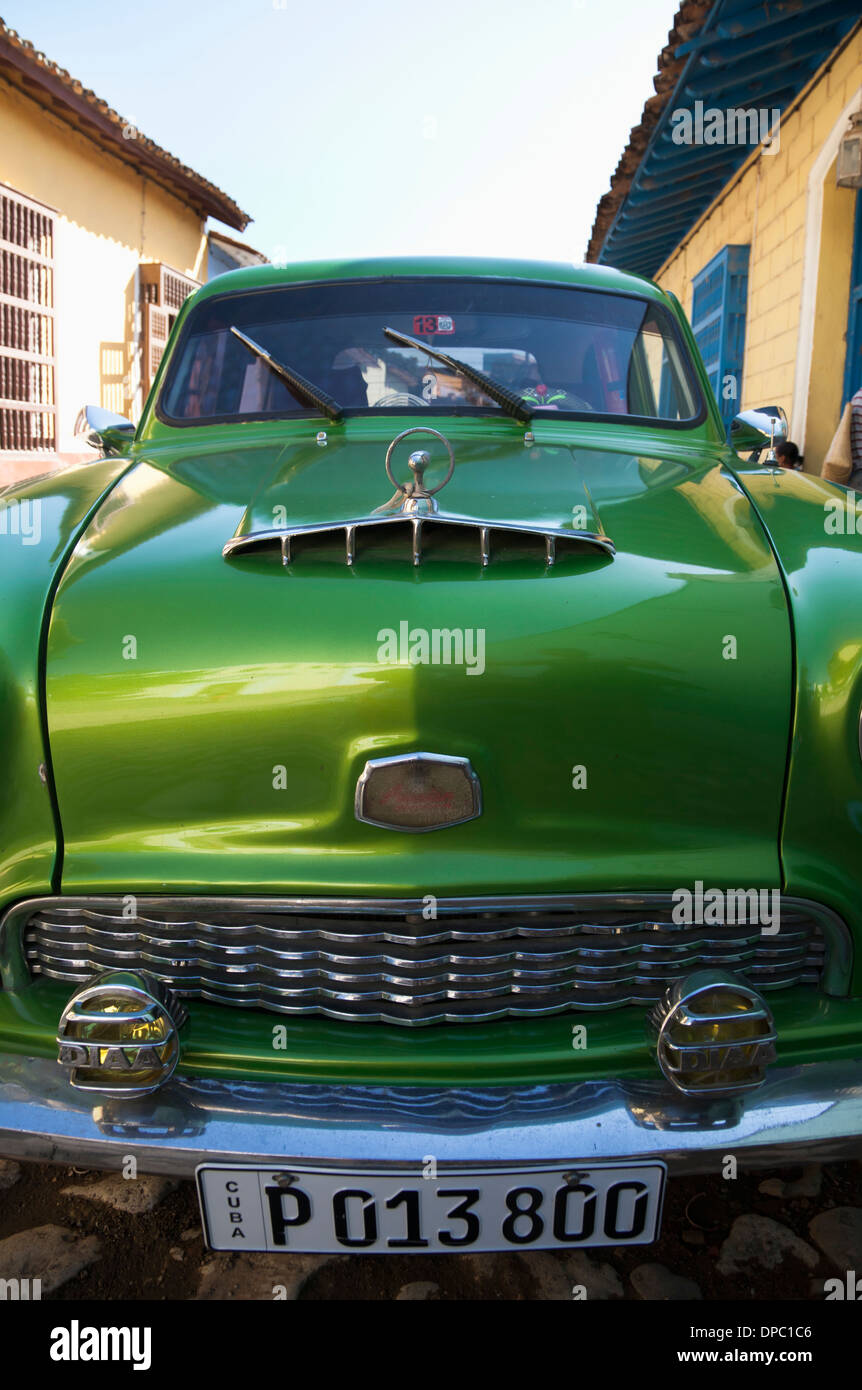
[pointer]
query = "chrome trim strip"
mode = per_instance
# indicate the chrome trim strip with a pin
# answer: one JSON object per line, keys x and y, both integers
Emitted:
{"x": 255, "y": 540}
{"x": 814, "y": 1111}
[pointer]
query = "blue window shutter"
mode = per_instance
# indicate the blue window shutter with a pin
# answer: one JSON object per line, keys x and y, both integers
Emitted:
{"x": 719, "y": 297}
{"x": 853, "y": 360}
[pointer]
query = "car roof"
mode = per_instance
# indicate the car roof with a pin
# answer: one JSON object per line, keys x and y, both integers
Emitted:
{"x": 599, "y": 277}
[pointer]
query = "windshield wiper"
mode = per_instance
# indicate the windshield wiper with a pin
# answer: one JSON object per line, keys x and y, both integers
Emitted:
{"x": 305, "y": 391}
{"x": 508, "y": 401}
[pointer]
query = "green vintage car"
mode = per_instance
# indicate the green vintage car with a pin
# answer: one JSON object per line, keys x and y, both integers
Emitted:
{"x": 433, "y": 793}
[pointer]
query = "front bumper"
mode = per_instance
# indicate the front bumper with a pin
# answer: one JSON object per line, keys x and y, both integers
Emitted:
{"x": 804, "y": 1112}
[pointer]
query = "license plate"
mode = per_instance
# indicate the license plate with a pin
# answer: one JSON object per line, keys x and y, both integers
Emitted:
{"x": 319, "y": 1208}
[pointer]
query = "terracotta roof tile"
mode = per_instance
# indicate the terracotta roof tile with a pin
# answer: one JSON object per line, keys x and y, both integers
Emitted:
{"x": 52, "y": 86}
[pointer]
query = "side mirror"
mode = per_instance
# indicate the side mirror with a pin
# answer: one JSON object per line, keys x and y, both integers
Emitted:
{"x": 754, "y": 430}
{"x": 105, "y": 431}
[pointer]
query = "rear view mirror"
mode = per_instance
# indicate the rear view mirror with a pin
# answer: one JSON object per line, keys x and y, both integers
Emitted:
{"x": 105, "y": 431}
{"x": 755, "y": 430}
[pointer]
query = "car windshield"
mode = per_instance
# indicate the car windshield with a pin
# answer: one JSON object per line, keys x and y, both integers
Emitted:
{"x": 573, "y": 351}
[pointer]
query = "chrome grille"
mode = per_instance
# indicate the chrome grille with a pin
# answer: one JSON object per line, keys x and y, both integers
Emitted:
{"x": 416, "y": 539}
{"x": 383, "y": 961}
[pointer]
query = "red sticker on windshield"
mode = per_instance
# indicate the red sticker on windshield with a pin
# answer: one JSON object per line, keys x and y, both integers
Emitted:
{"x": 433, "y": 323}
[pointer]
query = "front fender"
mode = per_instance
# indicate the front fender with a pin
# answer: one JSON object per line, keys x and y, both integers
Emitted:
{"x": 40, "y": 520}
{"x": 816, "y": 531}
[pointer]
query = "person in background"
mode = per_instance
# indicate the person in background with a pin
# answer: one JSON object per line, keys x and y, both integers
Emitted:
{"x": 855, "y": 479}
{"x": 842, "y": 463}
{"x": 787, "y": 454}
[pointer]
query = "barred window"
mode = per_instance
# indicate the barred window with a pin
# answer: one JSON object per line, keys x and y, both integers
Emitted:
{"x": 163, "y": 293}
{"x": 28, "y": 419}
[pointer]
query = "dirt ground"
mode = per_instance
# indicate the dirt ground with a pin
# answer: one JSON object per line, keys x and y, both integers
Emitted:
{"x": 171, "y": 1261}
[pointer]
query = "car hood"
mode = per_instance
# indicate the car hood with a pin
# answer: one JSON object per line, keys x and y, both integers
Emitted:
{"x": 495, "y": 481}
{"x": 209, "y": 717}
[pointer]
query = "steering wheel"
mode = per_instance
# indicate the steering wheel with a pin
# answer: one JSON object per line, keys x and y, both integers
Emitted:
{"x": 400, "y": 398}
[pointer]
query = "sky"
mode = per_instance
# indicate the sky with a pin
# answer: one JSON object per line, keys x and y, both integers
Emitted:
{"x": 378, "y": 127}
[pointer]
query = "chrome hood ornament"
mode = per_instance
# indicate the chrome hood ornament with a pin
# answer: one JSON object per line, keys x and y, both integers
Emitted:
{"x": 413, "y": 511}
{"x": 418, "y": 500}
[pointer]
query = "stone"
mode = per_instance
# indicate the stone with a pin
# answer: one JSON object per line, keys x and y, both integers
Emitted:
{"x": 52, "y": 1254}
{"x": 258, "y": 1276}
{"x": 133, "y": 1196}
{"x": 10, "y": 1172}
{"x": 839, "y": 1235}
{"x": 807, "y": 1185}
{"x": 772, "y": 1187}
{"x": 600, "y": 1281}
{"x": 421, "y": 1289}
{"x": 551, "y": 1276}
{"x": 193, "y": 1233}
{"x": 758, "y": 1240}
{"x": 655, "y": 1282}
{"x": 177, "y": 1254}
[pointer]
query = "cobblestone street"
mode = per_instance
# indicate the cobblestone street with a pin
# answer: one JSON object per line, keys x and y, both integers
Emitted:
{"x": 762, "y": 1236}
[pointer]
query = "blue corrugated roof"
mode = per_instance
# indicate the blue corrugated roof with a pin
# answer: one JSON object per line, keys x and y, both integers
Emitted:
{"x": 746, "y": 55}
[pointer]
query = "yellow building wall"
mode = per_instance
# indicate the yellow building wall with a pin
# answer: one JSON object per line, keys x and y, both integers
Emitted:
{"x": 765, "y": 208}
{"x": 109, "y": 218}
{"x": 830, "y": 318}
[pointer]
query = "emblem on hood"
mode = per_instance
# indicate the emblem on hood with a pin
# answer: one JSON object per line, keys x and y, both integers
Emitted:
{"x": 413, "y": 512}
{"x": 417, "y": 792}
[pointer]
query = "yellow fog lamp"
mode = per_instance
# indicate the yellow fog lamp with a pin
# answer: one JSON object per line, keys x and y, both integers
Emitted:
{"x": 713, "y": 1034}
{"x": 119, "y": 1034}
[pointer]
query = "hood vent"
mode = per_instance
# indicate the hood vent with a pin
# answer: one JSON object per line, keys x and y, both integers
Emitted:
{"x": 418, "y": 540}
